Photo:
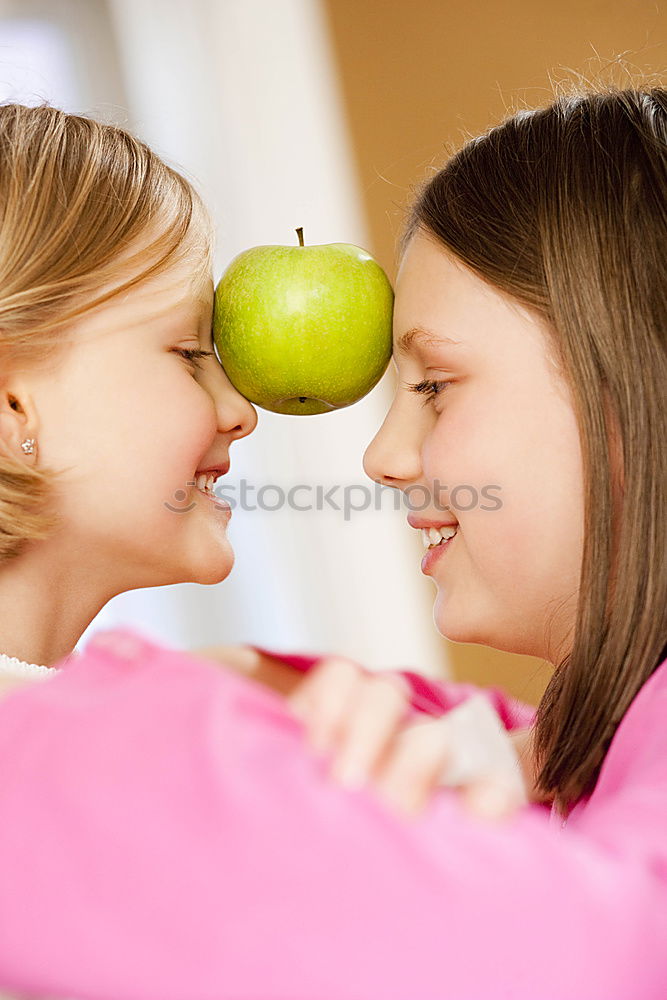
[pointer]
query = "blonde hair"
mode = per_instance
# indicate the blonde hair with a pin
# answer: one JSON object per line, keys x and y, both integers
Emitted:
{"x": 76, "y": 196}
{"x": 565, "y": 208}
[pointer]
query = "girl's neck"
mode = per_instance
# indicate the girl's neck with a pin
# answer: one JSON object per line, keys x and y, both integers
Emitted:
{"x": 46, "y": 604}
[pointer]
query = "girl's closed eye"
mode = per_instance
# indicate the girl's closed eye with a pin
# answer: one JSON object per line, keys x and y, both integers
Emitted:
{"x": 430, "y": 387}
{"x": 194, "y": 354}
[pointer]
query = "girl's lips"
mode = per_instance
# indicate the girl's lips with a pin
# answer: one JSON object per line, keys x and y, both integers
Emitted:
{"x": 218, "y": 502}
{"x": 422, "y": 522}
{"x": 435, "y": 553}
{"x": 221, "y": 470}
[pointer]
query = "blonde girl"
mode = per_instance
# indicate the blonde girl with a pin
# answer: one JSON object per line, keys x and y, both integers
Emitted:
{"x": 112, "y": 399}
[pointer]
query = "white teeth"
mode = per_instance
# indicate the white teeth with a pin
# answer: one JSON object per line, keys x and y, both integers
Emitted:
{"x": 433, "y": 536}
{"x": 205, "y": 482}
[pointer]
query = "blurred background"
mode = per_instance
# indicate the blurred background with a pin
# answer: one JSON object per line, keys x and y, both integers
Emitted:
{"x": 323, "y": 114}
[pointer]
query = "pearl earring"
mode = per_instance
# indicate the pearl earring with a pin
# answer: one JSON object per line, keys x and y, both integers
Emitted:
{"x": 28, "y": 445}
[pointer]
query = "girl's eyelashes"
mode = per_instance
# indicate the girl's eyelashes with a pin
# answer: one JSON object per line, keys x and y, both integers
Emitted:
{"x": 194, "y": 354}
{"x": 431, "y": 388}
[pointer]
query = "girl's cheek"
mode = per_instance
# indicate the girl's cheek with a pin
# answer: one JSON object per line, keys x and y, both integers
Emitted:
{"x": 193, "y": 423}
{"x": 437, "y": 465}
{"x": 444, "y": 454}
{"x": 201, "y": 403}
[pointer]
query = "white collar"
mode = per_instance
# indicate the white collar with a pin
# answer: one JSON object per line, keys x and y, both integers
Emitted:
{"x": 12, "y": 665}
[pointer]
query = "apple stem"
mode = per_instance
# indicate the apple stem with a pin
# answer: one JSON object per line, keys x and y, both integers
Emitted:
{"x": 299, "y": 233}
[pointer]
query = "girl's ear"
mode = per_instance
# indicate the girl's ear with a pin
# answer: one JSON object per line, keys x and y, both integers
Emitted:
{"x": 18, "y": 422}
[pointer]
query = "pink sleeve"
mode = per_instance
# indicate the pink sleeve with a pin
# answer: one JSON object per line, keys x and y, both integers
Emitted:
{"x": 164, "y": 833}
{"x": 434, "y": 697}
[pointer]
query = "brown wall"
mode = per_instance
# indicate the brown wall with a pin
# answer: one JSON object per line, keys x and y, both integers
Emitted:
{"x": 418, "y": 77}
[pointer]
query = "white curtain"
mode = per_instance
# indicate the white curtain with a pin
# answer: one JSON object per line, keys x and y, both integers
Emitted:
{"x": 242, "y": 97}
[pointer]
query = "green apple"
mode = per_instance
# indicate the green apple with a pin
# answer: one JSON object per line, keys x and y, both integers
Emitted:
{"x": 303, "y": 329}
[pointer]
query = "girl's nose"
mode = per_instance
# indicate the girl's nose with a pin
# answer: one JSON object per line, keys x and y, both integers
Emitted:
{"x": 392, "y": 458}
{"x": 237, "y": 417}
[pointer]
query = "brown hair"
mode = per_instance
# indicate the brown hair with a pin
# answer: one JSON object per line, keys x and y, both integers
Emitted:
{"x": 563, "y": 207}
{"x": 76, "y": 197}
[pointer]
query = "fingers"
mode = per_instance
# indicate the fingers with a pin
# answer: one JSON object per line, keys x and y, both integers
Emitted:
{"x": 492, "y": 796}
{"x": 322, "y": 699}
{"x": 467, "y": 749}
{"x": 363, "y": 720}
{"x": 367, "y": 730}
{"x": 414, "y": 768}
{"x": 351, "y": 712}
{"x": 411, "y": 768}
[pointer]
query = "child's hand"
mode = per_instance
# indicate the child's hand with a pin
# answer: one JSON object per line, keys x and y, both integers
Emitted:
{"x": 363, "y": 719}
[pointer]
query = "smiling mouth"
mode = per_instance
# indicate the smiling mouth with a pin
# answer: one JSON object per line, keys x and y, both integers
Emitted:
{"x": 218, "y": 502}
{"x": 432, "y": 537}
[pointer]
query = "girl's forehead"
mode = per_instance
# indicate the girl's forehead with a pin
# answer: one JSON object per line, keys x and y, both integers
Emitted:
{"x": 442, "y": 304}
{"x": 174, "y": 297}
{"x": 436, "y": 308}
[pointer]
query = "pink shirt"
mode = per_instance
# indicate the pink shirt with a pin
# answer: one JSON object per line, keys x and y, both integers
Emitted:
{"x": 165, "y": 834}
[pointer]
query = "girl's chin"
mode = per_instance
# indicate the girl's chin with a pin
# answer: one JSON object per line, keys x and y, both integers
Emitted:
{"x": 449, "y": 623}
{"x": 207, "y": 562}
{"x": 465, "y": 630}
{"x": 216, "y": 570}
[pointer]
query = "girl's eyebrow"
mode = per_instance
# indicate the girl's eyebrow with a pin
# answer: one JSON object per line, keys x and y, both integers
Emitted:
{"x": 419, "y": 335}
